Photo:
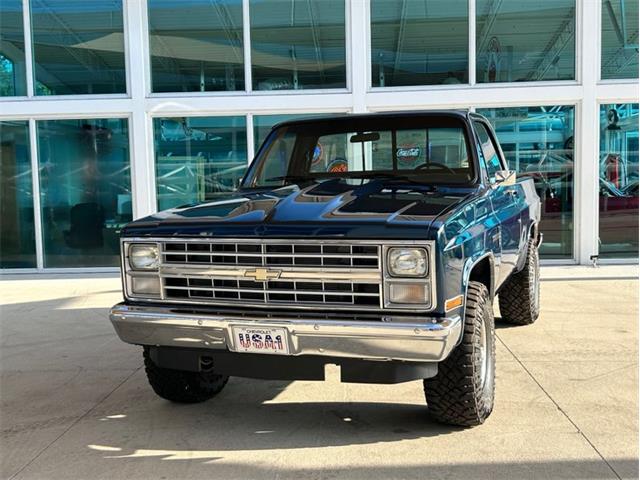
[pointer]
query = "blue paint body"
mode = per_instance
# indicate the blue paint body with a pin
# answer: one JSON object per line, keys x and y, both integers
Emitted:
{"x": 467, "y": 223}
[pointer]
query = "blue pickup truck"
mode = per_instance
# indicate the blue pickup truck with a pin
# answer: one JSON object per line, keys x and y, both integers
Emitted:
{"x": 374, "y": 242}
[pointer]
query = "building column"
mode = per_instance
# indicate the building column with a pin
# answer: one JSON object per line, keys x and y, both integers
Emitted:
{"x": 586, "y": 171}
{"x": 140, "y": 123}
{"x": 358, "y": 51}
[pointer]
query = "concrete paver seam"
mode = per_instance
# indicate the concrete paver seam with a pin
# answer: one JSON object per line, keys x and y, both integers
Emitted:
{"x": 74, "y": 423}
{"x": 565, "y": 414}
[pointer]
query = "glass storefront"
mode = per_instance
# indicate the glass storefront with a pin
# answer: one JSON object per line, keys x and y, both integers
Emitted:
{"x": 78, "y": 47}
{"x": 85, "y": 190}
{"x": 619, "y": 39}
{"x": 414, "y": 42}
{"x": 538, "y": 143}
{"x": 525, "y": 40}
{"x": 12, "y": 67}
{"x": 17, "y": 231}
{"x": 298, "y": 44}
{"x": 200, "y": 55}
{"x": 618, "y": 181}
{"x": 196, "y": 45}
{"x": 198, "y": 158}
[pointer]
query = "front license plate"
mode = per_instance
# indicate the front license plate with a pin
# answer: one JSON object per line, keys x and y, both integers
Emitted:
{"x": 261, "y": 340}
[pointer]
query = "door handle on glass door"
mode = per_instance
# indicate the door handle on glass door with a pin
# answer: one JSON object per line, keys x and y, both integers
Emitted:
{"x": 512, "y": 192}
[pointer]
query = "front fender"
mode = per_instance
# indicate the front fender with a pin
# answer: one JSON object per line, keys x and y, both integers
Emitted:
{"x": 471, "y": 263}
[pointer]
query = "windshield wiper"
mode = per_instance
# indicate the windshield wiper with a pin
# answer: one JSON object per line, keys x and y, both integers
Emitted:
{"x": 366, "y": 175}
{"x": 389, "y": 176}
{"x": 292, "y": 178}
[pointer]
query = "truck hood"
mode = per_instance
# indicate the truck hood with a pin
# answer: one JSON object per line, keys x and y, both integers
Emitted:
{"x": 338, "y": 207}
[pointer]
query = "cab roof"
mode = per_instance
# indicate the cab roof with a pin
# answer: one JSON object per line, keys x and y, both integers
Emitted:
{"x": 461, "y": 114}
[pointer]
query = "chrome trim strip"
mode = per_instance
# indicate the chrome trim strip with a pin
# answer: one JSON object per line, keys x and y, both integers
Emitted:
{"x": 299, "y": 274}
{"x": 270, "y": 241}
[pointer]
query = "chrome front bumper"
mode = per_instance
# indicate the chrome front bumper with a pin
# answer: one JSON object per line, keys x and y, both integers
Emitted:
{"x": 422, "y": 339}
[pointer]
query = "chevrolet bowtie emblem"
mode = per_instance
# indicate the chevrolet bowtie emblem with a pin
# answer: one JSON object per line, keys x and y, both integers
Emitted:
{"x": 262, "y": 274}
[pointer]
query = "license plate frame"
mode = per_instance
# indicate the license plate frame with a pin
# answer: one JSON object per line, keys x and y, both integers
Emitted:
{"x": 263, "y": 340}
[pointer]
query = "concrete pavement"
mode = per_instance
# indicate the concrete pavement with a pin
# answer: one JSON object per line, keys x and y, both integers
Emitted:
{"x": 75, "y": 403}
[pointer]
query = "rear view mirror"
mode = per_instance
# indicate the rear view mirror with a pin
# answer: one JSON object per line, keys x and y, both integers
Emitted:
{"x": 364, "y": 137}
{"x": 506, "y": 177}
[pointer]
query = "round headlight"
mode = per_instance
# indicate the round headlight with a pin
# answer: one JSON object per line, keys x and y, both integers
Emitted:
{"x": 143, "y": 256}
{"x": 408, "y": 262}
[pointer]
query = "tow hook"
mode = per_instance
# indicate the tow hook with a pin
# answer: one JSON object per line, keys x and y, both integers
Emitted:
{"x": 206, "y": 364}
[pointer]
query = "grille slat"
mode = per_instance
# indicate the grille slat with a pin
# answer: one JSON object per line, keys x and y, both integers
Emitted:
{"x": 271, "y": 254}
{"x": 297, "y": 256}
{"x": 268, "y": 290}
{"x": 284, "y": 255}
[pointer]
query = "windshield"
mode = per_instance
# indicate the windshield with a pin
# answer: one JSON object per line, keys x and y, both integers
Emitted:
{"x": 419, "y": 149}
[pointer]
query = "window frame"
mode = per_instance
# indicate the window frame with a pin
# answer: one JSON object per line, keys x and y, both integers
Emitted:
{"x": 479, "y": 120}
{"x": 598, "y": 58}
{"x": 251, "y": 175}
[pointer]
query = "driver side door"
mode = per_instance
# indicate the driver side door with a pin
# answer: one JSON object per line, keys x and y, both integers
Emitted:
{"x": 504, "y": 201}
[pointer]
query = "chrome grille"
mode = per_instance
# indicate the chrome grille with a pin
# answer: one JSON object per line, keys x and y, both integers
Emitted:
{"x": 272, "y": 292}
{"x": 271, "y": 254}
{"x": 336, "y": 274}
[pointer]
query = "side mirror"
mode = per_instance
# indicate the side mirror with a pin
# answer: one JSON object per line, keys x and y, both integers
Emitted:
{"x": 505, "y": 177}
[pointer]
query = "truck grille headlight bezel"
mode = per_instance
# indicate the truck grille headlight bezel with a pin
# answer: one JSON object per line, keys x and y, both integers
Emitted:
{"x": 413, "y": 290}
{"x": 141, "y": 281}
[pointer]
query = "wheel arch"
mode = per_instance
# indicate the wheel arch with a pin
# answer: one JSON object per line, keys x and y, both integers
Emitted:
{"x": 481, "y": 269}
{"x": 532, "y": 234}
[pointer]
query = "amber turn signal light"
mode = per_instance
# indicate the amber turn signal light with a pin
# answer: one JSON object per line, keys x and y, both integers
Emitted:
{"x": 452, "y": 303}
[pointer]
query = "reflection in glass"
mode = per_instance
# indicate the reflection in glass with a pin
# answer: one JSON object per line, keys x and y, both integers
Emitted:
{"x": 196, "y": 45}
{"x": 78, "y": 47}
{"x": 85, "y": 190}
{"x": 198, "y": 158}
{"x": 619, "y": 42}
{"x": 538, "y": 143}
{"x": 525, "y": 40}
{"x": 618, "y": 183}
{"x": 12, "y": 65}
{"x": 414, "y": 42}
{"x": 298, "y": 44}
{"x": 17, "y": 234}
{"x": 262, "y": 124}
{"x": 354, "y": 147}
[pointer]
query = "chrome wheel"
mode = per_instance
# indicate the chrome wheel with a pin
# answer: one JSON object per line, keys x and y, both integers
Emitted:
{"x": 536, "y": 287}
{"x": 534, "y": 282}
{"x": 484, "y": 357}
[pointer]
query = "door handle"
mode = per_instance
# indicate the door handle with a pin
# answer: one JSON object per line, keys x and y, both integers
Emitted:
{"x": 512, "y": 192}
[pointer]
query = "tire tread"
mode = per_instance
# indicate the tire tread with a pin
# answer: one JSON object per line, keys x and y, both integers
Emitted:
{"x": 454, "y": 395}
{"x": 515, "y": 299}
{"x": 181, "y": 386}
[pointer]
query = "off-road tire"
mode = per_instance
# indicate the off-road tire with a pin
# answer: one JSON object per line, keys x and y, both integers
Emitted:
{"x": 519, "y": 298}
{"x": 181, "y": 386}
{"x": 457, "y": 395}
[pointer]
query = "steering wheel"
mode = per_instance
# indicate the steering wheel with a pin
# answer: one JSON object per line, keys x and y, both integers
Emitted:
{"x": 426, "y": 166}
